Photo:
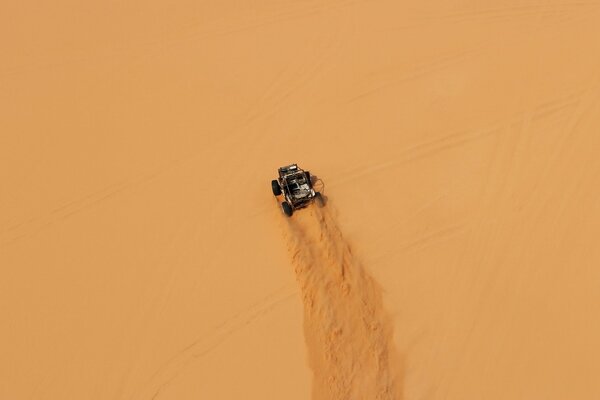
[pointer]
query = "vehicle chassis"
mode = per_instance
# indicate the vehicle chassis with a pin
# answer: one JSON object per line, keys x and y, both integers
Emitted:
{"x": 296, "y": 187}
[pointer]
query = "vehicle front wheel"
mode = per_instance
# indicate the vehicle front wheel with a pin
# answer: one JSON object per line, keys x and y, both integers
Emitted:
{"x": 287, "y": 209}
{"x": 275, "y": 187}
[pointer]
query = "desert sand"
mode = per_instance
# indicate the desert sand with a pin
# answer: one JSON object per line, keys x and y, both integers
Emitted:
{"x": 143, "y": 255}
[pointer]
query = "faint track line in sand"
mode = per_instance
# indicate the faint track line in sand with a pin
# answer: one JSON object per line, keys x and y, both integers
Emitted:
{"x": 459, "y": 138}
{"x": 35, "y": 224}
{"x": 563, "y": 16}
{"x": 563, "y": 12}
{"x": 564, "y": 145}
{"x": 348, "y": 333}
{"x": 580, "y": 104}
{"x": 257, "y": 112}
{"x": 262, "y": 111}
{"x": 171, "y": 368}
{"x": 482, "y": 244}
{"x": 285, "y": 16}
{"x": 420, "y": 70}
{"x": 431, "y": 237}
{"x": 422, "y": 150}
{"x": 194, "y": 30}
{"x": 555, "y": 106}
{"x": 517, "y": 11}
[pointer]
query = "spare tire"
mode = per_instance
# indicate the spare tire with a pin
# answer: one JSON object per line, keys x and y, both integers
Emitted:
{"x": 308, "y": 179}
{"x": 287, "y": 209}
{"x": 275, "y": 187}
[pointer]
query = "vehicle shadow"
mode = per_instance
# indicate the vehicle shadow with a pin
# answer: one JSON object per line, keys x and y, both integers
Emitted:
{"x": 319, "y": 186}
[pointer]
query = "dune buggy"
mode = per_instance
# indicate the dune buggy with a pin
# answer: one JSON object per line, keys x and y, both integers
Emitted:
{"x": 296, "y": 186}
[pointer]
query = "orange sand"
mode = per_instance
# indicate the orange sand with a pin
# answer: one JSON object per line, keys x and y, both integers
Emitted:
{"x": 144, "y": 257}
{"x": 348, "y": 334}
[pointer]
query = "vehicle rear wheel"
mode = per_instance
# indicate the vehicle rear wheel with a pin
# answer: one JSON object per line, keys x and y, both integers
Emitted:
{"x": 287, "y": 209}
{"x": 275, "y": 187}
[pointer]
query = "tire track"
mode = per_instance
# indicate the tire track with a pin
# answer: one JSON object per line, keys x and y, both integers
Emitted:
{"x": 33, "y": 225}
{"x": 459, "y": 138}
{"x": 423, "y": 69}
{"x": 429, "y": 238}
{"x": 348, "y": 333}
{"x": 538, "y": 10}
{"x": 166, "y": 373}
{"x": 422, "y": 150}
{"x": 563, "y": 13}
{"x": 193, "y": 31}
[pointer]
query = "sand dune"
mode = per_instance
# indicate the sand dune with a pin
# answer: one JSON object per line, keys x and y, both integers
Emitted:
{"x": 142, "y": 255}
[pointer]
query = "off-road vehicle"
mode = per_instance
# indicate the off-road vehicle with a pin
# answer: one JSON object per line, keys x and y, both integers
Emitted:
{"x": 296, "y": 186}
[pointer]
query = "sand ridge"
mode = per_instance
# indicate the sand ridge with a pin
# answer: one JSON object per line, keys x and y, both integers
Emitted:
{"x": 347, "y": 331}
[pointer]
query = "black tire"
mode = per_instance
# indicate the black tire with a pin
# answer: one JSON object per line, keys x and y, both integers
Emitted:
{"x": 275, "y": 187}
{"x": 308, "y": 179}
{"x": 287, "y": 209}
